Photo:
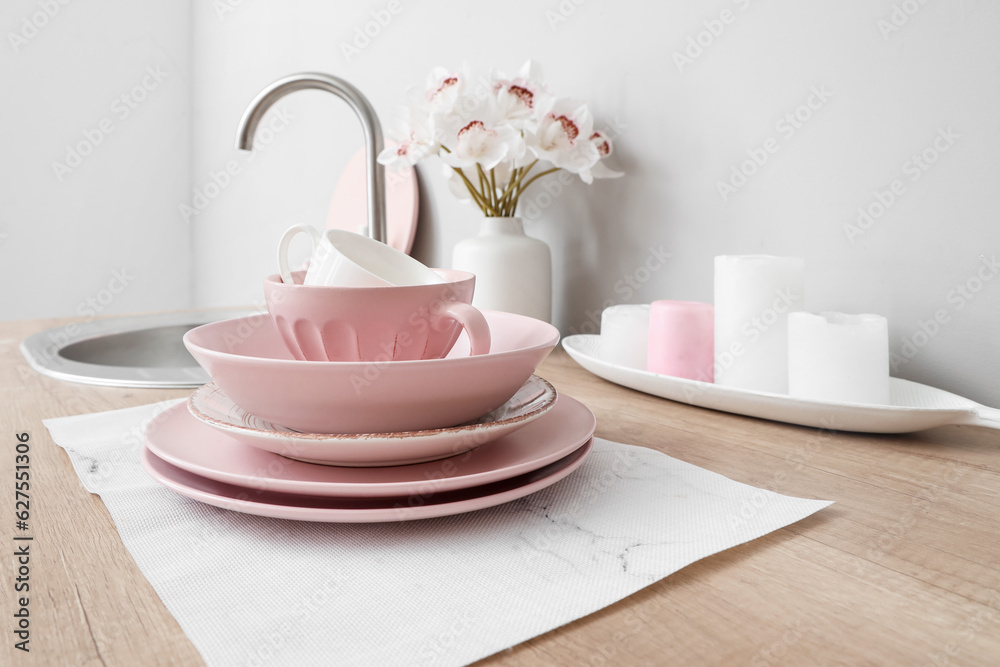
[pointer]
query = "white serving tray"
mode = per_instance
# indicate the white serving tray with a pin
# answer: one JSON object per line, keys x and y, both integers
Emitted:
{"x": 914, "y": 406}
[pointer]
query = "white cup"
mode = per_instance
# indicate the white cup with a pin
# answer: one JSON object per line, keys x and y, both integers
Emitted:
{"x": 345, "y": 259}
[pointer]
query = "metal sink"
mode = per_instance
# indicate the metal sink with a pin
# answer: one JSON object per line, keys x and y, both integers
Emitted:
{"x": 141, "y": 351}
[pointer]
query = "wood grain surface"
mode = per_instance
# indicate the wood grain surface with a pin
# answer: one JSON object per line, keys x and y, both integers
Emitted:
{"x": 903, "y": 570}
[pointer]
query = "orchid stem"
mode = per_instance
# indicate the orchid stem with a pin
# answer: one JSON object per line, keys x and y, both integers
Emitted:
{"x": 493, "y": 188}
{"x": 515, "y": 176}
{"x": 515, "y": 191}
{"x": 534, "y": 178}
{"x": 485, "y": 206}
{"x": 484, "y": 186}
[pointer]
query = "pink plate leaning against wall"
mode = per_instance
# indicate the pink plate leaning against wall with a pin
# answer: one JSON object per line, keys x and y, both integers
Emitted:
{"x": 349, "y": 206}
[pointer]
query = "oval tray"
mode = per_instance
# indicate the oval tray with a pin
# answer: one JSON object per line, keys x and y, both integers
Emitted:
{"x": 914, "y": 406}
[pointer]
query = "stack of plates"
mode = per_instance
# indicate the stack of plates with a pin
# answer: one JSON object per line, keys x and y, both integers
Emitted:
{"x": 217, "y": 450}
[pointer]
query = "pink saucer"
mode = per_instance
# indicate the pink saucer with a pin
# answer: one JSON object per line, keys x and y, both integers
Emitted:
{"x": 211, "y": 406}
{"x": 359, "y": 510}
{"x": 180, "y": 439}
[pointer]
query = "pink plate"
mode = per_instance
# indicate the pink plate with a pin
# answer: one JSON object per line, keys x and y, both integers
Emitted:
{"x": 211, "y": 406}
{"x": 181, "y": 440}
{"x": 248, "y": 360}
{"x": 359, "y": 510}
{"x": 349, "y": 207}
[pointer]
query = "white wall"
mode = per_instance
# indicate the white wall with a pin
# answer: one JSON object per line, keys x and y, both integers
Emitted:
{"x": 99, "y": 234}
{"x": 682, "y": 130}
{"x": 890, "y": 92}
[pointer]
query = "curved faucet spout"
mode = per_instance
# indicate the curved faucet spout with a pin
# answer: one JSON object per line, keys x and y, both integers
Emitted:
{"x": 366, "y": 114}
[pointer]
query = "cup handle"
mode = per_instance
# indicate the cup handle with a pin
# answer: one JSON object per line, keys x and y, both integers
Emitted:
{"x": 473, "y": 321}
{"x": 286, "y": 239}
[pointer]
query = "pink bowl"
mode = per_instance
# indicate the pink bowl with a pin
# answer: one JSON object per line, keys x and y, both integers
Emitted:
{"x": 247, "y": 358}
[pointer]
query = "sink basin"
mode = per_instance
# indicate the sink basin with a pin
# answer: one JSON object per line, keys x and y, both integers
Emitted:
{"x": 155, "y": 347}
{"x": 141, "y": 351}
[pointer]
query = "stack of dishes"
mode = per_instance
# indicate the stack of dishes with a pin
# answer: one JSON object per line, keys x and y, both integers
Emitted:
{"x": 367, "y": 441}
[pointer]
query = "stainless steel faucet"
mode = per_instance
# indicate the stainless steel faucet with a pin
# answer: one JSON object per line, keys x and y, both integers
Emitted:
{"x": 366, "y": 114}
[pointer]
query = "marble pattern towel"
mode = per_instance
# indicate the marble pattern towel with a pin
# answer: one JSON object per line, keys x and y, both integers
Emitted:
{"x": 255, "y": 591}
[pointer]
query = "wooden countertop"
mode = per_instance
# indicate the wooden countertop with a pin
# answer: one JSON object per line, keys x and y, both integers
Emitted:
{"x": 903, "y": 570}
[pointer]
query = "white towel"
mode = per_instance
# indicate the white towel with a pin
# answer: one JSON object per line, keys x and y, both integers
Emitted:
{"x": 249, "y": 590}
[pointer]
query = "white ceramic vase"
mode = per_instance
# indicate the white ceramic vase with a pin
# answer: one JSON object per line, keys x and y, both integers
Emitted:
{"x": 513, "y": 270}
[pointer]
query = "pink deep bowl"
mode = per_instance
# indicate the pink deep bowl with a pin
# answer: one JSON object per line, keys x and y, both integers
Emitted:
{"x": 248, "y": 360}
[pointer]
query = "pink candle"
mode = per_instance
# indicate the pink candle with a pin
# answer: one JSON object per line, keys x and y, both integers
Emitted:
{"x": 682, "y": 340}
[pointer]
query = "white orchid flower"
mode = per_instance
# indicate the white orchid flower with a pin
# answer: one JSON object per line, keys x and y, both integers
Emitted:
{"x": 444, "y": 87}
{"x": 477, "y": 143}
{"x": 405, "y": 154}
{"x": 524, "y": 100}
{"x": 563, "y": 137}
{"x": 497, "y": 135}
{"x": 414, "y": 141}
{"x": 600, "y": 170}
{"x": 476, "y": 133}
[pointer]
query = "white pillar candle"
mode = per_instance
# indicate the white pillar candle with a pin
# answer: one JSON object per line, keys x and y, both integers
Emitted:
{"x": 625, "y": 335}
{"x": 838, "y": 357}
{"x": 753, "y": 296}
